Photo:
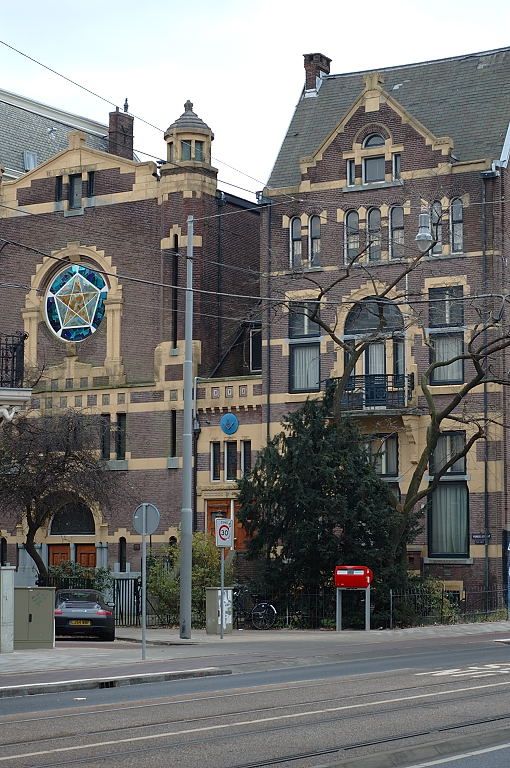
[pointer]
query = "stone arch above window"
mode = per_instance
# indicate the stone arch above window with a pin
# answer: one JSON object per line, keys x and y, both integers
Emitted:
{"x": 374, "y": 315}
{"x": 73, "y": 518}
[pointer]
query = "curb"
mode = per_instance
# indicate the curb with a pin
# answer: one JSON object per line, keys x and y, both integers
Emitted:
{"x": 115, "y": 681}
{"x": 173, "y": 643}
{"x": 409, "y": 756}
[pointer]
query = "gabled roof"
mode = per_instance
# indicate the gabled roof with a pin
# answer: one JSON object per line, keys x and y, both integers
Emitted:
{"x": 465, "y": 97}
{"x": 29, "y": 125}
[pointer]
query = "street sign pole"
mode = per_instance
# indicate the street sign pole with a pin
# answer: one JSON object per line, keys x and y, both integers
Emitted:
{"x": 222, "y": 585}
{"x": 145, "y": 522}
{"x": 144, "y": 581}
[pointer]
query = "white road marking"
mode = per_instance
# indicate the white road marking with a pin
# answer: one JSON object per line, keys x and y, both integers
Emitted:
{"x": 230, "y": 725}
{"x": 485, "y": 670}
{"x": 443, "y": 760}
{"x": 44, "y": 686}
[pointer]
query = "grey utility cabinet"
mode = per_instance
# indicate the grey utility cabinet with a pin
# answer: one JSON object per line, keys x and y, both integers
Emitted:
{"x": 213, "y": 611}
{"x": 34, "y": 621}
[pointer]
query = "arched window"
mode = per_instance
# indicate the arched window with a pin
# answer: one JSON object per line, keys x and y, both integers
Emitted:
{"x": 314, "y": 254}
{"x": 374, "y": 234}
{"x": 380, "y": 320}
{"x": 436, "y": 216}
{"x": 374, "y": 315}
{"x": 122, "y": 554}
{"x": 457, "y": 226}
{"x": 351, "y": 237}
{"x": 295, "y": 243}
{"x": 374, "y": 140}
{"x": 3, "y": 551}
{"x": 397, "y": 232}
{"x": 73, "y": 518}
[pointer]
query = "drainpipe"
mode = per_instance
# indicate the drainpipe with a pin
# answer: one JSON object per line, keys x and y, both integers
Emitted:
{"x": 268, "y": 323}
{"x": 485, "y": 269}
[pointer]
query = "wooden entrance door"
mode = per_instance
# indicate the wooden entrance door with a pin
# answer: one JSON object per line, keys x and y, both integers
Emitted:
{"x": 222, "y": 508}
{"x": 86, "y": 555}
{"x": 59, "y": 553}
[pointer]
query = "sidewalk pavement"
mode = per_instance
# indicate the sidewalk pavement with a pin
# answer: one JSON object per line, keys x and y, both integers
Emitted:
{"x": 75, "y": 665}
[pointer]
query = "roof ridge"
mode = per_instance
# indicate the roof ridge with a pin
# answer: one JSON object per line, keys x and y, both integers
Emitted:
{"x": 417, "y": 63}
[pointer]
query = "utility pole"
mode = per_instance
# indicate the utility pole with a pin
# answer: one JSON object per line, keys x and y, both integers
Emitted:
{"x": 187, "y": 448}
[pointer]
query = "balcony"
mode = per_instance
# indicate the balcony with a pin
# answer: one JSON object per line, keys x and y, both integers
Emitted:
{"x": 12, "y": 350}
{"x": 13, "y": 395}
{"x": 378, "y": 391}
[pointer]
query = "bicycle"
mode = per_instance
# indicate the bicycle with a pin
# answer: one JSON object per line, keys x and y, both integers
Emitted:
{"x": 261, "y": 615}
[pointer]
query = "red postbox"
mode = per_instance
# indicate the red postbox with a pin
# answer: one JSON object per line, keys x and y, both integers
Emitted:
{"x": 352, "y": 576}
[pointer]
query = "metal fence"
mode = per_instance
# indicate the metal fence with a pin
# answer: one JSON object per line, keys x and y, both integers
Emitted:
{"x": 432, "y": 604}
{"x": 11, "y": 360}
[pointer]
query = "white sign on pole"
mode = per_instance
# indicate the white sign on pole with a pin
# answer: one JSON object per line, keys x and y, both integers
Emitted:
{"x": 224, "y": 530}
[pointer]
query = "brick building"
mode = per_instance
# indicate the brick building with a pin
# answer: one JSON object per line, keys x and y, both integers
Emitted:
{"x": 364, "y": 155}
{"x": 93, "y": 269}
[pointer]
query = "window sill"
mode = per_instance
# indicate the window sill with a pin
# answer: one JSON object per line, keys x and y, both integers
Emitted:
{"x": 374, "y": 185}
{"x": 74, "y": 212}
{"x": 117, "y": 464}
{"x": 448, "y": 560}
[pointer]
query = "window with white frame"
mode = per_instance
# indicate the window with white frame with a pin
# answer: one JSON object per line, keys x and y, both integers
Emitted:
{"x": 383, "y": 450}
{"x": 397, "y": 232}
{"x": 446, "y": 319}
{"x": 304, "y": 356}
{"x": 448, "y": 521}
{"x": 449, "y": 445}
{"x": 314, "y": 241}
{"x": 295, "y": 243}
{"x": 374, "y": 166}
{"x": 446, "y": 306}
{"x": 351, "y": 237}
{"x": 301, "y": 323}
{"x": 457, "y": 226}
{"x": 374, "y": 234}
{"x": 230, "y": 460}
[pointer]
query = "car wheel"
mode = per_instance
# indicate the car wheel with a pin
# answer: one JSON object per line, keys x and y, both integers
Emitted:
{"x": 109, "y": 636}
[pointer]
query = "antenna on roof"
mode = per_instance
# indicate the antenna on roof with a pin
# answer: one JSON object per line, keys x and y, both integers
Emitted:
{"x": 126, "y": 105}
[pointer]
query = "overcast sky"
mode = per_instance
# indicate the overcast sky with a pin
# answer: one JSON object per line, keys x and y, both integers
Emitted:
{"x": 240, "y": 63}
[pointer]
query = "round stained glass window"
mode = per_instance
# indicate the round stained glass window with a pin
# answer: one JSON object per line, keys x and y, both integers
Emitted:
{"x": 75, "y": 302}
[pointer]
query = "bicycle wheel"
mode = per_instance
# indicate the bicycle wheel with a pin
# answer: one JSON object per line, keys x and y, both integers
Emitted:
{"x": 263, "y": 616}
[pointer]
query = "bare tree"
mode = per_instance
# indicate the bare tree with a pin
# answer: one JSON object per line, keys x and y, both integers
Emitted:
{"x": 42, "y": 458}
{"x": 485, "y": 339}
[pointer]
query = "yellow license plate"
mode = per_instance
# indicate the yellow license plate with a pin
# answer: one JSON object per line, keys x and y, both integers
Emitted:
{"x": 80, "y": 622}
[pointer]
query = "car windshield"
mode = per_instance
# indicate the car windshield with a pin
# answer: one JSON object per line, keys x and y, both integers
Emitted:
{"x": 78, "y": 596}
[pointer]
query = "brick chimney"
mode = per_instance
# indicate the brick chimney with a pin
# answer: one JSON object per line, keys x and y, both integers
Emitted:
{"x": 315, "y": 64}
{"x": 120, "y": 134}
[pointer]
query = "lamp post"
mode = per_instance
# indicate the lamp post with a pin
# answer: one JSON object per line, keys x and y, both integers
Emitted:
{"x": 187, "y": 449}
{"x": 424, "y": 237}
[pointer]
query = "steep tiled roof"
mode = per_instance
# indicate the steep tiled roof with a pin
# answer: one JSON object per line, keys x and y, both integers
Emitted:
{"x": 466, "y": 98}
{"x": 29, "y": 125}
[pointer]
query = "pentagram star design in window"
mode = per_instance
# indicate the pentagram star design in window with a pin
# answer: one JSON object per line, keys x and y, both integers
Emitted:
{"x": 75, "y": 302}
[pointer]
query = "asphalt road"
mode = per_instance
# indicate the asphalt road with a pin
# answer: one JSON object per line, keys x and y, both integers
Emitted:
{"x": 281, "y": 706}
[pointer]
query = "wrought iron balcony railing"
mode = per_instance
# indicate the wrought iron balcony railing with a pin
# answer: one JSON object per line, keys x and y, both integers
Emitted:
{"x": 12, "y": 360}
{"x": 378, "y": 390}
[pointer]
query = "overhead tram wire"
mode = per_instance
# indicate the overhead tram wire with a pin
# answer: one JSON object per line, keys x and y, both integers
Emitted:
{"x": 111, "y": 103}
{"x": 260, "y": 299}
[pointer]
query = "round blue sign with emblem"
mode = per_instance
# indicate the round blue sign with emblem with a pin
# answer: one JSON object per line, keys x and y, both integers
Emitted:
{"x": 229, "y": 423}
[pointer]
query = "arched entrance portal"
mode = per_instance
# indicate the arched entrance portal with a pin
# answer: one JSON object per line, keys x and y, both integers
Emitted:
{"x": 72, "y": 518}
